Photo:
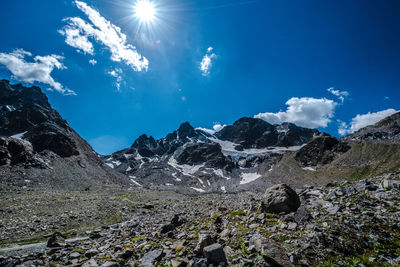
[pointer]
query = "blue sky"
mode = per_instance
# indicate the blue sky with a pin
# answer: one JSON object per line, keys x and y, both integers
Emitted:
{"x": 274, "y": 60}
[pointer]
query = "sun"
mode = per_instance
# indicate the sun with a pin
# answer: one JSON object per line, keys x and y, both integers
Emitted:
{"x": 145, "y": 10}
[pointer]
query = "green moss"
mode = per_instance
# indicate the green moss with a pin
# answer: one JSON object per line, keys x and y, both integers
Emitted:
{"x": 237, "y": 213}
{"x": 391, "y": 208}
{"x": 137, "y": 238}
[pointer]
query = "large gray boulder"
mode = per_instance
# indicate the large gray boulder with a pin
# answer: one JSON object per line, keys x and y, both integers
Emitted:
{"x": 280, "y": 198}
{"x": 215, "y": 254}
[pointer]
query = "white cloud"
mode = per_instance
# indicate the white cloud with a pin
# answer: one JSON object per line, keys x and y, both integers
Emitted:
{"x": 116, "y": 73}
{"x": 75, "y": 37}
{"x": 37, "y": 71}
{"x": 103, "y": 31}
{"x": 207, "y": 62}
{"x": 305, "y": 111}
{"x": 340, "y": 94}
{"x": 363, "y": 120}
{"x": 93, "y": 62}
{"x": 216, "y": 128}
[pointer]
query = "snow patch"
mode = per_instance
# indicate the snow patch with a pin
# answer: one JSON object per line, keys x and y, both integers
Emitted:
{"x": 133, "y": 181}
{"x": 220, "y": 173}
{"x": 249, "y": 177}
{"x": 223, "y": 189}
{"x": 209, "y": 131}
{"x": 10, "y": 108}
{"x": 128, "y": 156}
{"x": 198, "y": 189}
{"x": 228, "y": 149}
{"x": 116, "y": 162}
{"x": 110, "y": 165}
{"x": 309, "y": 169}
{"x": 19, "y": 136}
{"x": 128, "y": 169}
{"x": 185, "y": 169}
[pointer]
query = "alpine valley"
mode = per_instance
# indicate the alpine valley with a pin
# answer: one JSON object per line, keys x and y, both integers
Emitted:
{"x": 250, "y": 194}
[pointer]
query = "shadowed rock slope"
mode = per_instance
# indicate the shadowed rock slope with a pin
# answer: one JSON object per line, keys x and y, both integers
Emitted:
{"x": 39, "y": 149}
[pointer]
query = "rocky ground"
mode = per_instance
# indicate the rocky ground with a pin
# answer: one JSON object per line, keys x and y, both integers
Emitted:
{"x": 341, "y": 224}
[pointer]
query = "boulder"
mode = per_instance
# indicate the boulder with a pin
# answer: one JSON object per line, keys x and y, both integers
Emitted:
{"x": 150, "y": 257}
{"x": 280, "y": 198}
{"x": 215, "y": 254}
{"x": 204, "y": 240}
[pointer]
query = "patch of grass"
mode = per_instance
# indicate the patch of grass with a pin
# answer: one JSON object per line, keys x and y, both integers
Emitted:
{"x": 137, "y": 238}
{"x": 237, "y": 213}
{"x": 391, "y": 208}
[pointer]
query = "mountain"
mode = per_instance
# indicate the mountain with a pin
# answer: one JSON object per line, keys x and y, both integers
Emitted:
{"x": 370, "y": 151}
{"x": 194, "y": 160}
{"x": 39, "y": 149}
{"x": 388, "y": 129}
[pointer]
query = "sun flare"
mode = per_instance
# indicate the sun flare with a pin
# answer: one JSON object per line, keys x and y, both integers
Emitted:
{"x": 145, "y": 10}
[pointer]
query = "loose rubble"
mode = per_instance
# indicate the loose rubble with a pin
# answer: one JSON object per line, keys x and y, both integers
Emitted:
{"x": 341, "y": 224}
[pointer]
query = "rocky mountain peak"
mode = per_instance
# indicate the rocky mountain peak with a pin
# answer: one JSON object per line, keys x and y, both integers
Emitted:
{"x": 186, "y": 130}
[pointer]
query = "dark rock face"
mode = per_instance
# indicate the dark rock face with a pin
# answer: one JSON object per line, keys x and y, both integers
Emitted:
{"x": 21, "y": 108}
{"x": 257, "y": 133}
{"x": 17, "y": 151}
{"x": 321, "y": 150}
{"x": 386, "y": 129}
{"x": 280, "y": 198}
{"x": 50, "y": 136}
{"x": 199, "y": 153}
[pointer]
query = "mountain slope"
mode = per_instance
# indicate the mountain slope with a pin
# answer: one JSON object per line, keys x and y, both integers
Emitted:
{"x": 371, "y": 151}
{"x": 39, "y": 149}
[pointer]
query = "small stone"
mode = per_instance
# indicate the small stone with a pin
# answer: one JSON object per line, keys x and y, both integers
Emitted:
{"x": 92, "y": 252}
{"x": 90, "y": 263}
{"x": 75, "y": 255}
{"x": 110, "y": 264}
{"x": 292, "y": 226}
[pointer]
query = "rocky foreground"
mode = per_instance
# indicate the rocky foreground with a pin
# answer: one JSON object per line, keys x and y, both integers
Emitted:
{"x": 341, "y": 224}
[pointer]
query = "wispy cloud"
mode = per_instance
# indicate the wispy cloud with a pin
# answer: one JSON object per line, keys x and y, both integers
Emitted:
{"x": 363, "y": 120}
{"x": 78, "y": 32}
{"x": 116, "y": 73}
{"x": 207, "y": 61}
{"x": 305, "y": 111}
{"x": 340, "y": 94}
{"x": 37, "y": 71}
